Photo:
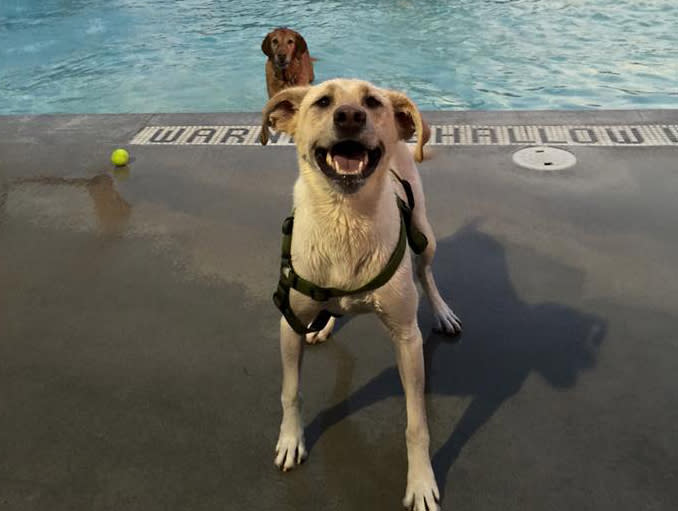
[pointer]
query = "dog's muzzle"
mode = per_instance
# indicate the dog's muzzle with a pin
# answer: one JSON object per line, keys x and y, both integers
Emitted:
{"x": 281, "y": 62}
{"x": 348, "y": 163}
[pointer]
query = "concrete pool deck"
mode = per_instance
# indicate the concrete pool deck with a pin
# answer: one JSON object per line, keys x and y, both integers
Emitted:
{"x": 139, "y": 363}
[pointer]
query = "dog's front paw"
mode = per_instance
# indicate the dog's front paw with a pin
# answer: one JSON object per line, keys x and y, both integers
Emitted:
{"x": 422, "y": 492}
{"x": 446, "y": 321}
{"x": 290, "y": 450}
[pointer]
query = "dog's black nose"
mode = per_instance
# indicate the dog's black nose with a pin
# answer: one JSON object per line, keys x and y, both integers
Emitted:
{"x": 349, "y": 120}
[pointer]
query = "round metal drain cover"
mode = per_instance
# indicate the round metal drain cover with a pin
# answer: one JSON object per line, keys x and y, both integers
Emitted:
{"x": 544, "y": 158}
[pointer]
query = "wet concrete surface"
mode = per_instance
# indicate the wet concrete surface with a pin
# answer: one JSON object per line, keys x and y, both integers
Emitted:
{"x": 139, "y": 364}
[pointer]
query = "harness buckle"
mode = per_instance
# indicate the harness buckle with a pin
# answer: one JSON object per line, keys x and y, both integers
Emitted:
{"x": 287, "y": 275}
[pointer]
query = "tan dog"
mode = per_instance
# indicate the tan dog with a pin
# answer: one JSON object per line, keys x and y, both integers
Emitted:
{"x": 289, "y": 62}
{"x": 349, "y": 135}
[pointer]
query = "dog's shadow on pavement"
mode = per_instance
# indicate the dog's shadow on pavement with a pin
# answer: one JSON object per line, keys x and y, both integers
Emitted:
{"x": 504, "y": 340}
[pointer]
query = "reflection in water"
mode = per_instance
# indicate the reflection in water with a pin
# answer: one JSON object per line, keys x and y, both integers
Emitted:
{"x": 111, "y": 210}
{"x": 68, "y": 56}
{"x": 505, "y": 339}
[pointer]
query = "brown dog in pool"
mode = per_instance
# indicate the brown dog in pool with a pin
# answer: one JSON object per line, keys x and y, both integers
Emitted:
{"x": 289, "y": 62}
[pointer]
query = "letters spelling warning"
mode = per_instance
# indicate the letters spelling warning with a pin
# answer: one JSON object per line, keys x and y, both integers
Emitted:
{"x": 444, "y": 134}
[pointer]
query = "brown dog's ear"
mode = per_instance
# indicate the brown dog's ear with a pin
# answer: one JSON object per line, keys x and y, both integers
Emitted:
{"x": 280, "y": 113}
{"x": 408, "y": 121}
{"x": 266, "y": 45}
{"x": 299, "y": 46}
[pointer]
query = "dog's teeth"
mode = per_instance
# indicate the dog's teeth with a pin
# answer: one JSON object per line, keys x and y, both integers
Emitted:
{"x": 329, "y": 160}
{"x": 361, "y": 165}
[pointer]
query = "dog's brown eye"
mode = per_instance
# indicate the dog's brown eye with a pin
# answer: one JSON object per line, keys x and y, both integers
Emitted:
{"x": 275, "y": 41}
{"x": 372, "y": 102}
{"x": 289, "y": 41}
{"x": 323, "y": 102}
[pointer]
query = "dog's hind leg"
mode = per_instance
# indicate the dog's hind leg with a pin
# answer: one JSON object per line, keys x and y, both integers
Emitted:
{"x": 291, "y": 449}
{"x": 446, "y": 321}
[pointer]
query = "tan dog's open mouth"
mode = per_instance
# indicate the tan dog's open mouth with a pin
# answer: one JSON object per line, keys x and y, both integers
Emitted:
{"x": 348, "y": 163}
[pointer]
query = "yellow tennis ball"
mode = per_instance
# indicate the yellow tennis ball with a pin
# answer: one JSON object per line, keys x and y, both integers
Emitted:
{"x": 120, "y": 157}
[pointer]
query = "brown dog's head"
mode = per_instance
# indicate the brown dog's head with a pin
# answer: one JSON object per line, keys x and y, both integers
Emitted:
{"x": 282, "y": 45}
{"x": 344, "y": 129}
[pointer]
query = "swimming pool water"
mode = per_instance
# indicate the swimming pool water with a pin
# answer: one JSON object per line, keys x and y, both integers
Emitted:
{"x": 77, "y": 56}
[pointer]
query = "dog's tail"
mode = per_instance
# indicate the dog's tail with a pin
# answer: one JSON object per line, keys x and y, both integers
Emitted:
{"x": 427, "y": 132}
{"x": 427, "y": 155}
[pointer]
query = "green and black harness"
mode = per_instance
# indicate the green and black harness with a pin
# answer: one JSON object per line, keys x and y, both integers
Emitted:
{"x": 289, "y": 279}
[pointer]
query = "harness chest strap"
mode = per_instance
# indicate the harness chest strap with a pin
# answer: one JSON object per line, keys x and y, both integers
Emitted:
{"x": 289, "y": 279}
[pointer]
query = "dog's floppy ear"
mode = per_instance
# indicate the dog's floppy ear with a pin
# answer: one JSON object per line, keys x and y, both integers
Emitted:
{"x": 266, "y": 45}
{"x": 280, "y": 113}
{"x": 300, "y": 46}
{"x": 408, "y": 121}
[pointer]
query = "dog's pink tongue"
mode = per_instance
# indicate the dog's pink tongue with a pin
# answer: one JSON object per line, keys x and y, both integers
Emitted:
{"x": 347, "y": 165}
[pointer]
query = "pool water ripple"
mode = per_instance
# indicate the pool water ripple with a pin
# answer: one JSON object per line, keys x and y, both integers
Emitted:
{"x": 204, "y": 55}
